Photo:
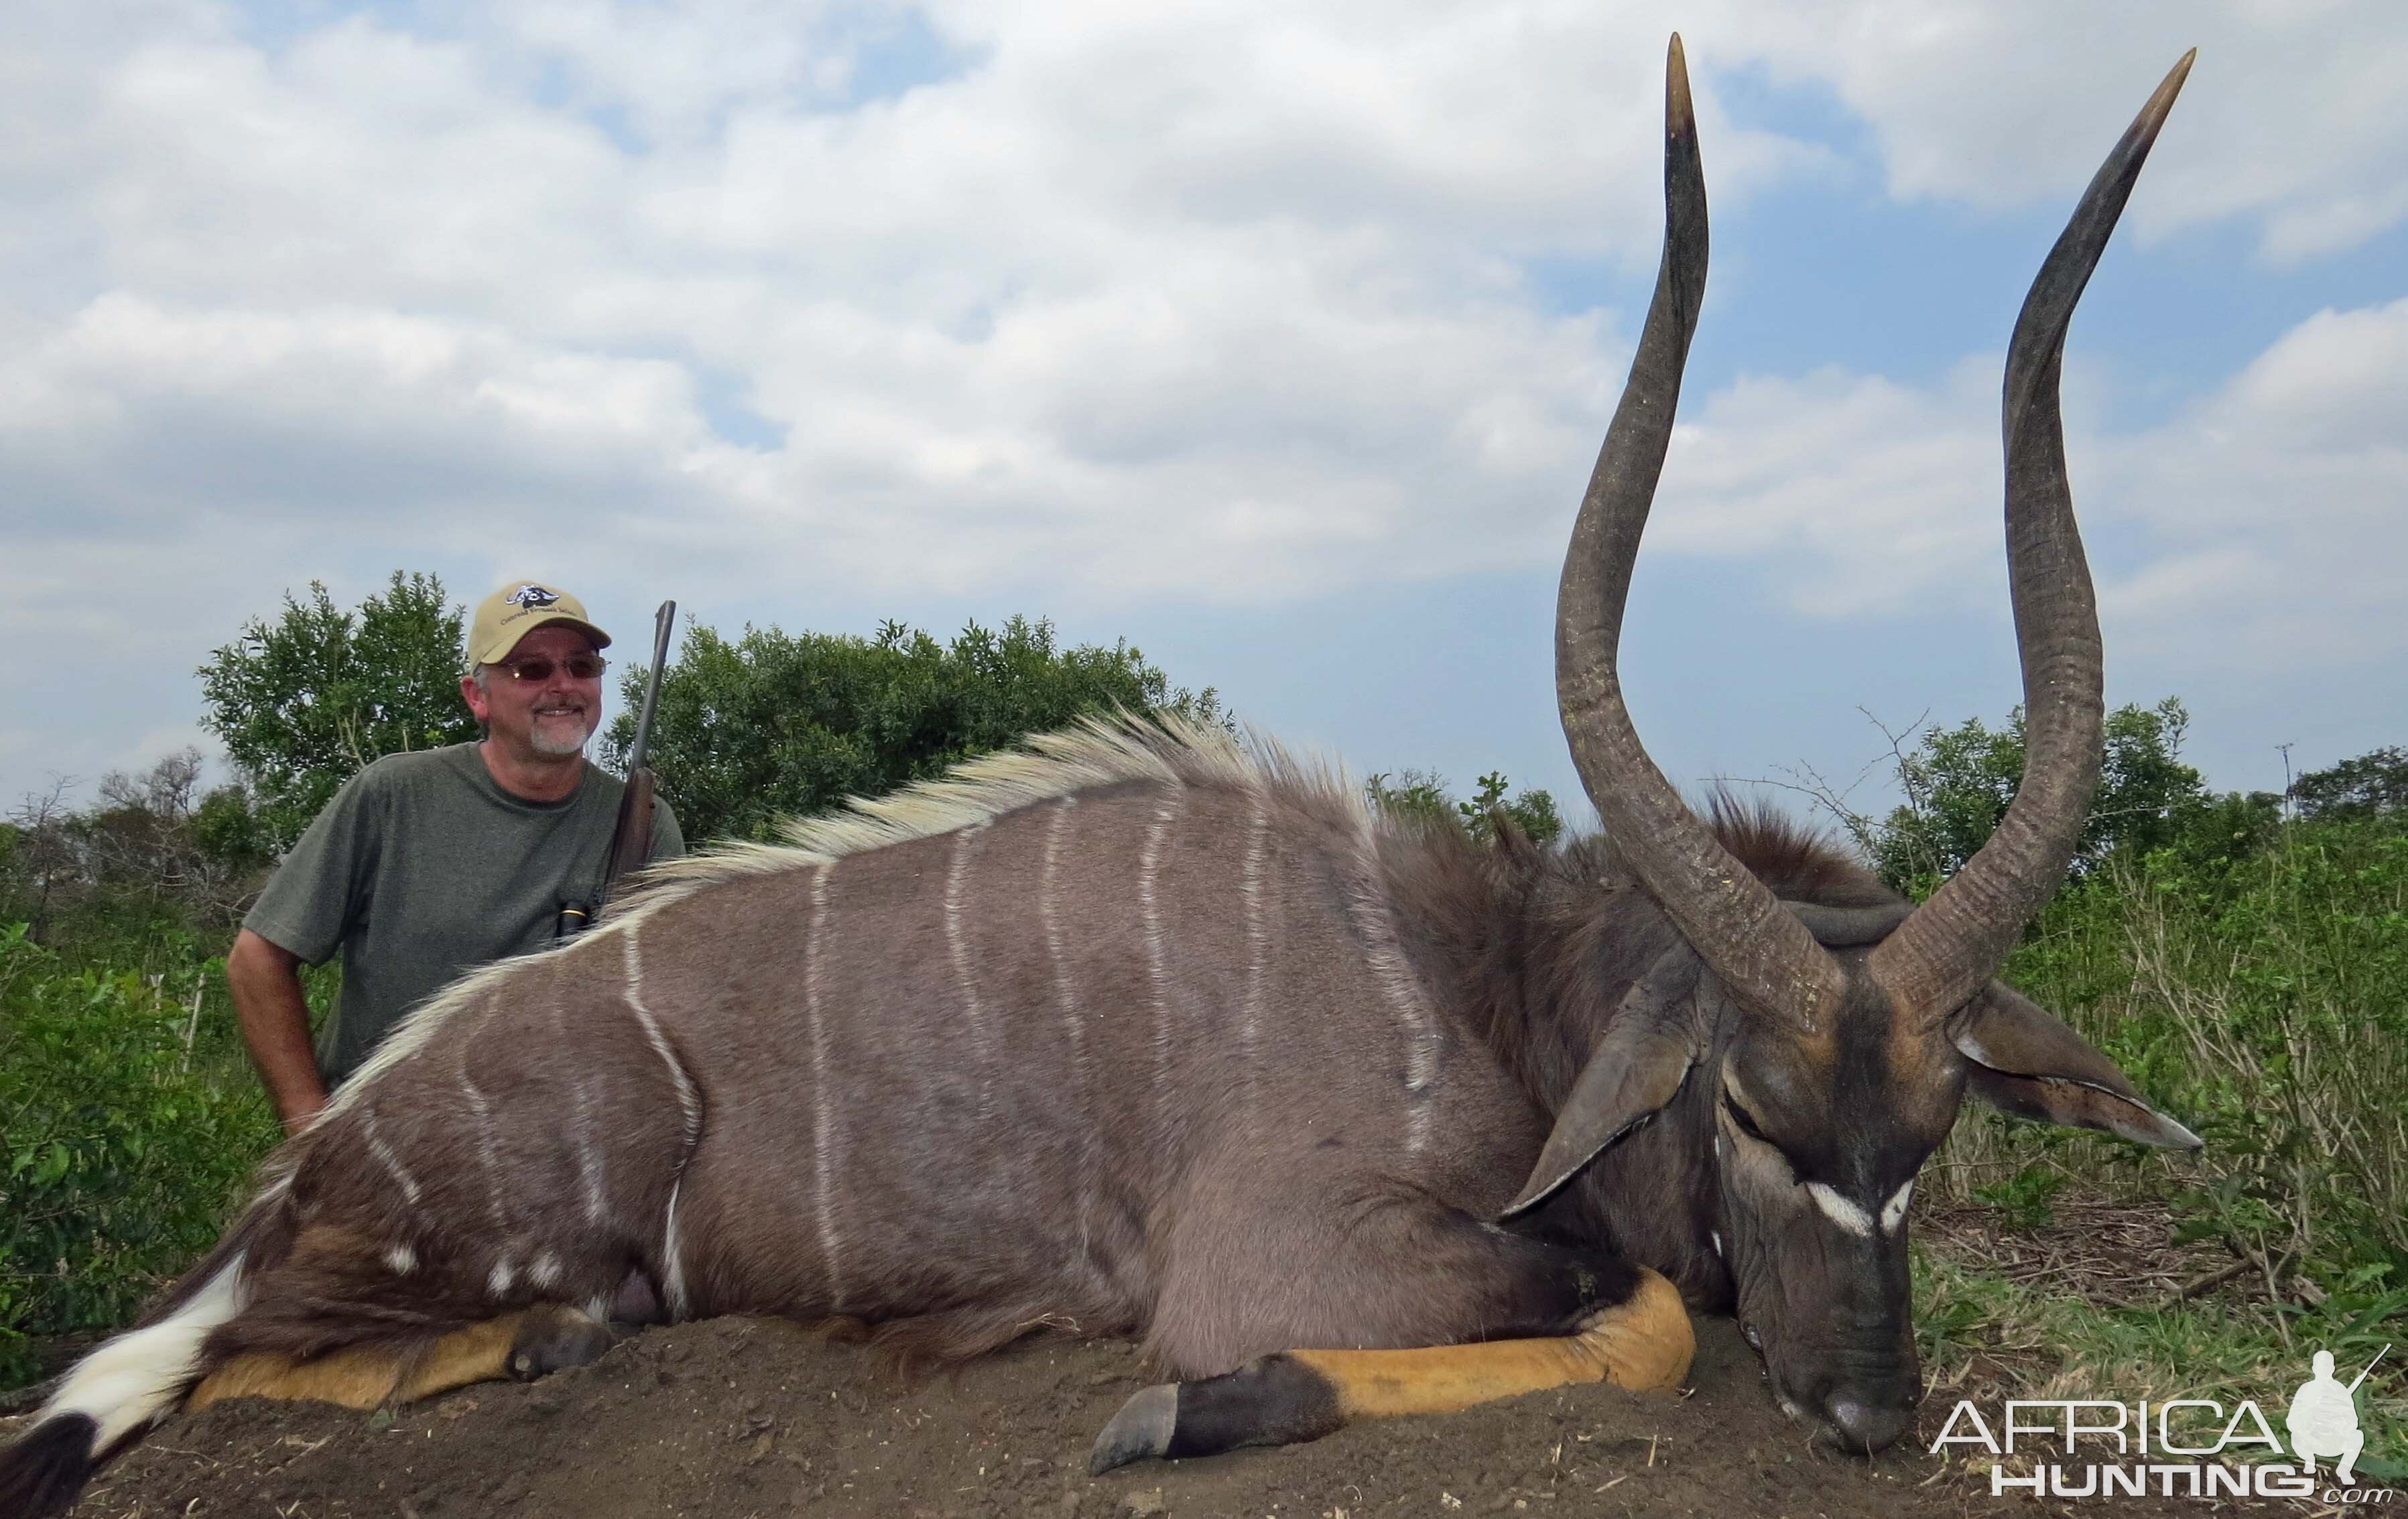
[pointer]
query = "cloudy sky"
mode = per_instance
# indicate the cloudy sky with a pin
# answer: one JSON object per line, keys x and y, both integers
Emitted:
{"x": 1274, "y": 338}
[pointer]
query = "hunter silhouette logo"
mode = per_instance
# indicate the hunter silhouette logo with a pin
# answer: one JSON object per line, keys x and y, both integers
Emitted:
{"x": 532, "y": 597}
{"x": 2176, "y": 1447}
{"x": 2324, "y": 1418}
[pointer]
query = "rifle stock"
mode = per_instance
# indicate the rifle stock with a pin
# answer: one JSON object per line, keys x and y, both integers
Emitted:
{"x": 631, "y": 838}
{"x": 631, "y": 841}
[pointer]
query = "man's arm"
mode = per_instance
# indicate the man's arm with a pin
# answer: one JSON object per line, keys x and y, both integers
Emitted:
{"x": 275, "y": 1018}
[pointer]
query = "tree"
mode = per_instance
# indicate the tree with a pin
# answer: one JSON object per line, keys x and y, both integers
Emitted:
{"x": 227, "y": 830}
{"x": 137, "y": 836}
{"x": 1960, "y": 782}
{"x": 1413, "y": 793}
{"x": 144, "y": 852}
{"x": 41, "y": 858}
{"x": 1423, "y": 793}
{"x": 148, "y": 839}
{"x": 304, "y": 703}
{"x": 1533, "y": 811}
{"x": 2374, "y": 784}
{"x": 775, "y": 724}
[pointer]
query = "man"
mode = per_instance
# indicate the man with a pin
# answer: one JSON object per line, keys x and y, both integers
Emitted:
{"x": 430, "y": 864}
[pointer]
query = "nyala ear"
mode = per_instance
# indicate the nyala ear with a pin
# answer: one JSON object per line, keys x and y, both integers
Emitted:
{"x": 2025, "y": 1061}
{"x": 1649, "y": 1046}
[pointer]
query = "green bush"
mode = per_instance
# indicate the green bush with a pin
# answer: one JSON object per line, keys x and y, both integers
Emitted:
{"x": 2263, "y": 1000}
{"x": 121, "y": 1147}
{"x": 778, "y": 725}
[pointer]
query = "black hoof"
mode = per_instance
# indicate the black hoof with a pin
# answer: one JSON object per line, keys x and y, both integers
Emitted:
{"x": 1141, "y": 1431}
{"x": 554, "y": 1338}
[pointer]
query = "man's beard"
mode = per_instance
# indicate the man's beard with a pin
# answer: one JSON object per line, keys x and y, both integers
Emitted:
{"x": 548, "y": 737}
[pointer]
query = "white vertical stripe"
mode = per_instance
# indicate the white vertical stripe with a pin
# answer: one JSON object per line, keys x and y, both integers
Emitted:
{"x": 689, "y": 1105}
{"x": 385, "y": 1156}
{"x": 824, "y": 1096}
{"x": 957, "y": 948}
{"x": 1401, "y": 989}
{"x": 590, "y": 1159}
{"x": 1157, "y": 959}
{"x": 1257, "y": 938}
{"x": 1074, "y": 1028}
{"x": 1048, "y": 913}
{"x": 688, "y": 1108}
{"x": 673, "y": 1255}
{"x": 482, "y": 1114}
{"x": 580, "y": 1124}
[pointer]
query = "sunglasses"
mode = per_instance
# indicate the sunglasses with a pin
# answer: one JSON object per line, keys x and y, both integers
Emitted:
{"x": 537, "y": 669}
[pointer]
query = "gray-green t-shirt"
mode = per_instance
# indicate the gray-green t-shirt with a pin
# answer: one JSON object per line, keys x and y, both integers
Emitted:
{"x": 422, "y": 867}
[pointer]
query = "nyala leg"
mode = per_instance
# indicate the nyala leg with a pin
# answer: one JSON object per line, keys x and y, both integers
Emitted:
{"x": 1633, "y": 1331}
{"x": 525, "y": 1345}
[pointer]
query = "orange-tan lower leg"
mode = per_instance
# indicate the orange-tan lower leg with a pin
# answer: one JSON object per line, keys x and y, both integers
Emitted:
{"x": 523, "y": 1344}
{"x": 1644, "y": 1343}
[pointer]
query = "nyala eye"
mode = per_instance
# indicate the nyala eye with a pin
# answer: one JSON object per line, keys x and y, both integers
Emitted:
{"x": 1746, "y": 1125}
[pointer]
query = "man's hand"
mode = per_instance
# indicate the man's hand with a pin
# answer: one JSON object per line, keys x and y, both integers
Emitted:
{"x": 264, "y": 980}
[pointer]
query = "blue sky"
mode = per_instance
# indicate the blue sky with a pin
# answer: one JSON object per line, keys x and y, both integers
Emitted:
{"x": 1275, "y": 339}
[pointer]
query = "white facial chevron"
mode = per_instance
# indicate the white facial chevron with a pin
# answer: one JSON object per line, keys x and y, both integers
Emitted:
{"x": 1839, "y": 1211}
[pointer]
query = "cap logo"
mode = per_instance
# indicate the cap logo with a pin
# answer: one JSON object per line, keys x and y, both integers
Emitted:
{"x": 531, "y": 597}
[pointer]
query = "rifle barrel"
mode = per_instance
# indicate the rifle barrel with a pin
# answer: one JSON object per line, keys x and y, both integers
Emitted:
{"x": 2370, "y": 1366}
{"x": 663, "y": 623}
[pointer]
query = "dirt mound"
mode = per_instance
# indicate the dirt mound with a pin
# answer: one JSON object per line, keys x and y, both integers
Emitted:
{"x": 740, "y": 1417}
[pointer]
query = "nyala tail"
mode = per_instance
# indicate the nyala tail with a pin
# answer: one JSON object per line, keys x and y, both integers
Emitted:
{"x": 131, "y": 1382}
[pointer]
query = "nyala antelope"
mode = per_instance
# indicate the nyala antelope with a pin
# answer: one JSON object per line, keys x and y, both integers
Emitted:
{"x": 1147, "y": 1034}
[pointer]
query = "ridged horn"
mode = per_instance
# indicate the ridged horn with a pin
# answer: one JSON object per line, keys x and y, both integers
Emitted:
{"x": 1763, "y": 954}
{"x": 1948, "y": 949}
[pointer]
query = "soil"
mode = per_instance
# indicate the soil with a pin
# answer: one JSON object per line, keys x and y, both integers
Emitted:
{"x": 737, "y": 1417}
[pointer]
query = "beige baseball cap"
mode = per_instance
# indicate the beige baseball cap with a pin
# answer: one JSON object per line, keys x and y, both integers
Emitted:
{"x": 517, "y": 610}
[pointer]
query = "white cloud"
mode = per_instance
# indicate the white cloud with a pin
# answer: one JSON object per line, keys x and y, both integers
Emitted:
{"x": 2290, "y": 122}
{"x": 1207, "y": 301}
{"x": 1872, "y": 496}
{"x": 2282, "y": 502}
{"x": 2259, "y": 532}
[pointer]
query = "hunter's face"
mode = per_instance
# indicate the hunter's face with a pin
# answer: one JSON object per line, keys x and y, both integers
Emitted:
{"x": 550, "y": 717}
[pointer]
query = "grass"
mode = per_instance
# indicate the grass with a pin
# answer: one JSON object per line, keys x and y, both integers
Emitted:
{"x": 1989, "y": 1338}
{"x": 2264, "y": 1002}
